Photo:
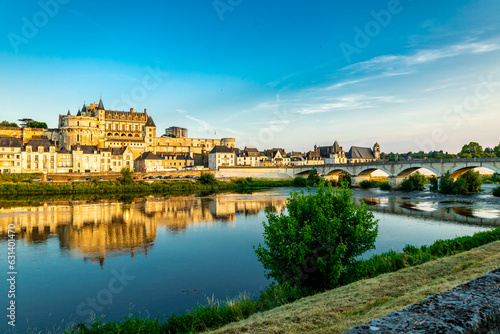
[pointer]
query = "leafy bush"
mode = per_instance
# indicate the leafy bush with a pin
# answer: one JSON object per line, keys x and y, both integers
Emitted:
{"x": 320, "y": 235}
{"x": 472, "y": 181}
{"x": 434, "y": 183}
{"x": 127, "y": 176}
{"x": 299, "y": 181}
{"x": 385, "y": 186}
{"x": 207, "y": 178}
{"x": 496, "y": 191}
{"x": 241, "y": 182}
{"x": 466, "y": 183}
{"x": 413, "y": 182}
{"x": 344, "y": 177}
{"x": 495, "y": 178}
{"x": 313, "y": 178}
{"x": 369, "y": 184}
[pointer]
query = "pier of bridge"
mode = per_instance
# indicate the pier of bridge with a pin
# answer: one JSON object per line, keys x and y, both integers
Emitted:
{"x": 396, "y": 170}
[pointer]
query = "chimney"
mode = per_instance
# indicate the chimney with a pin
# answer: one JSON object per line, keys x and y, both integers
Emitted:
{"x": 145, "y": 111}
{"x": 132, "y": 110}
{"x": 123, "y": 145}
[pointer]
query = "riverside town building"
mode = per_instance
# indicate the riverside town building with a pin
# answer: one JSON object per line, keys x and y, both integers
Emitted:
{"x": 100, "y": 140}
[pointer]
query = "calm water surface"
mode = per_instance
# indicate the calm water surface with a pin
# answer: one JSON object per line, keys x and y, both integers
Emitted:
{"x": 155, "y": 256}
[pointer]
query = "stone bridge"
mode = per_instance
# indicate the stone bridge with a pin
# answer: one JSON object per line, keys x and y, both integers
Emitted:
{"x": 396, "y": 170}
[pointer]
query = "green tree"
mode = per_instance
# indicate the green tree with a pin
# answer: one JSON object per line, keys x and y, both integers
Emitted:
{"x": 415, "y": 181}
{"x": 472, "y": 148}
{"x": 496, "y": 191}
{"x": 127, "y": 176}
{"x": 36, "y": 124}
{"x": 469, "y": 182}
{"x": 8, "y": 125}
{"x": 313, "y": 178}
{"x": 207, "y": 178}
{"x": 317, "y": 238}
{"x": 299, "y": 181}
{"x": 344, "y": 177}
{"x": 496, "y": 150}
{"x": 472, "y": 181}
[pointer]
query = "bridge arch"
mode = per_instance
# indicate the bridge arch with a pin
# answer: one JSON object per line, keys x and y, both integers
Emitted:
{"x": 461, "y": 169}
{"x": 368, "y": 170}
{"x": 335, "y": 171}
{"x": 406, "y": 171}
{"x": 305, "y": 172}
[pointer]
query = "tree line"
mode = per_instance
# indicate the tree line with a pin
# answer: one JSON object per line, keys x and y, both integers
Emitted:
{"x": 471, "y": 150}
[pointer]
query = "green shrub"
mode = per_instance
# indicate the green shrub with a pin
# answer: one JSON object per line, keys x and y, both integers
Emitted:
{"x": 313, "y": 178}
{"x": 299, "y": 181}
{"x": 472, "y": 181}
{"x": 496, "y": 191}
{"x": 241, "y": 182}
{"x": 495, "y": 178}
{"x": 466, "y": 183}
{"x": 320, "y": 234}
{"x": 413, "y": 182}
{"x": 385, "y": 186}
{"x": 207, "y": 178}
{"x": 344, "y": 177}
{"x": 369, "y": 184}
{"x": 434, "y": 183}
{"x": 127, "y": 176}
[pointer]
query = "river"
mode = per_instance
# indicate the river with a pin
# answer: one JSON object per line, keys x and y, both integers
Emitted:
{"x": 78, "y": 259}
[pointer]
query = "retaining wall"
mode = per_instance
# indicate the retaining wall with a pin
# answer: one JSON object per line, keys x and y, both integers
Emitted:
{"x": 473, "y": 307}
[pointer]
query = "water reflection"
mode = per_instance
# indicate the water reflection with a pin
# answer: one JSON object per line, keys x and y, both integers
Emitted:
{"x": 110, "y": 228}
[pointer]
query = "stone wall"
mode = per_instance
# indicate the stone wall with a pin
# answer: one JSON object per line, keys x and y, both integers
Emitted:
{"x": 473, "y": 307}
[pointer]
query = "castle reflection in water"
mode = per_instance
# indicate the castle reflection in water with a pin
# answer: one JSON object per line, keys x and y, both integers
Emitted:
{"x": 110, "y": 228}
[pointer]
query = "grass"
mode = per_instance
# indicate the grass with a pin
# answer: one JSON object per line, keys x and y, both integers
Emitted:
{"x": 340, "y": 309}
{"x": 279, "y": 299}
{"x": 106, "y": 187}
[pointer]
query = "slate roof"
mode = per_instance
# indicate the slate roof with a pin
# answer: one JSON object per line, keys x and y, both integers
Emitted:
{"x": 221, "y": 149}
{"x": 313, "y": 155}
{"x": 176, "y": 157}
{"x": 325, "y": 151}
{"x": 86, "y": 149}
{"x": 10, "y": 142}
{"x": 357, "y": 152}
{"x": 101, "y": 106}
{"x": 63, "y": 150}
{"x": 150, "y": 122}
{"x": 148, "y": 156}
{"x": 36, "y": 143}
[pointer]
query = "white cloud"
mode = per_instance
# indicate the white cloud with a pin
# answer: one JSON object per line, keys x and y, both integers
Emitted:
{"x": 400, "y": 63}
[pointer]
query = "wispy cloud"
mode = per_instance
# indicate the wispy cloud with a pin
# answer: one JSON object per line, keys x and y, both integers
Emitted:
{"x": 203, "y": 125}
{"x": 399, "y": 63}
{"x": 348, "y": 102}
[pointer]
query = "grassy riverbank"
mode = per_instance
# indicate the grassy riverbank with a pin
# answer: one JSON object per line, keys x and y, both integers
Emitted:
{"x": 340, "y": 308}
{"x": 109, "y": 187}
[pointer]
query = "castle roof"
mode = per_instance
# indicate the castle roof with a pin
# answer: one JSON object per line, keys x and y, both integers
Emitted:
{"x": 100, "y": 106}
{"x": 150, "y": 122}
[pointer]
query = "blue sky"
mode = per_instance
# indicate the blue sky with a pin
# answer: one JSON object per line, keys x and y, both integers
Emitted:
{"x": 411, "y": 75}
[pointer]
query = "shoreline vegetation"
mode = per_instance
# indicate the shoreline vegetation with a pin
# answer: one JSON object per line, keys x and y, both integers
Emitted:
{"x": 216, "y": 314}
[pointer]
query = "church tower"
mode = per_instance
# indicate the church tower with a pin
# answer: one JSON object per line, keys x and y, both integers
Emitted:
{"x": 376, "y": 151}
